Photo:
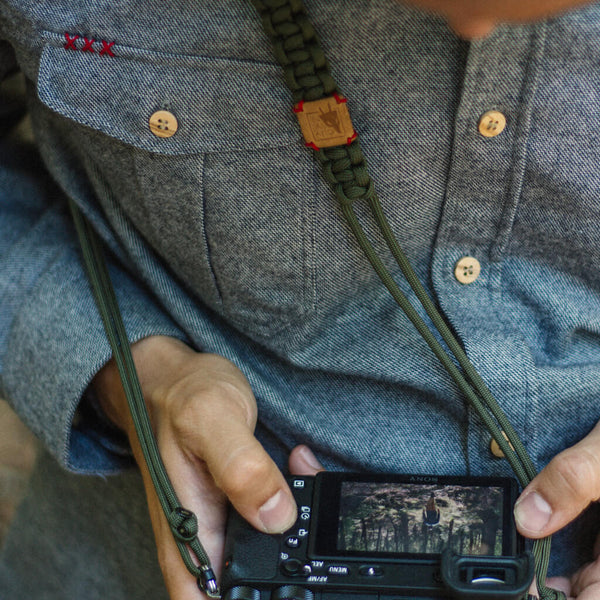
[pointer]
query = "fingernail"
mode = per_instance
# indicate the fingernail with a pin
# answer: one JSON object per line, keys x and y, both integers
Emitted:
{"x": 532, "y": 513}
{"x": 278, "y": 513}
{"x": 309, "y": 458}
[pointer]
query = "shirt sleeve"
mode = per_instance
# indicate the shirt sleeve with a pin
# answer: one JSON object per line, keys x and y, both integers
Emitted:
{"x": 52, "y": 341}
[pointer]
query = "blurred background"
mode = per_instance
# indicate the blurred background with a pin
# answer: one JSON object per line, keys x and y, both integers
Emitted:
{"x": 18, "y": 450}
{"x": 18, "y": 447}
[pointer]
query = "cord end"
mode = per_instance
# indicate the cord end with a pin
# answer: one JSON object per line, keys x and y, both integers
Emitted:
{"x": 207, "y": 583}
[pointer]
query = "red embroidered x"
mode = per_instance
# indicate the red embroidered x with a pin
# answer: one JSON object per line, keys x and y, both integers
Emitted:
{"x": 87, "y": 45}
{"x": 70, "y": 45}
{"x": 106, "y": 48}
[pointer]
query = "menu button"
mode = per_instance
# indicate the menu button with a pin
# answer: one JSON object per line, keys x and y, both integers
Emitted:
{"x": 338, "y": 570}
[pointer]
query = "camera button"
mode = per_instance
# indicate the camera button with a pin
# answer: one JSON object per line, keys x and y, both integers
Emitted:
{"x": 370, "y": 571}
{"x": 293, "y": 566}
{"x": 293, "y": 542}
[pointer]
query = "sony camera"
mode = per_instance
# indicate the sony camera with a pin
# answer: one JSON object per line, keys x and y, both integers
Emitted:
{"x": 384, "y": 537}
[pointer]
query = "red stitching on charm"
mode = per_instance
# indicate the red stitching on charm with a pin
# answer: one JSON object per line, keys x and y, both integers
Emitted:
{"x": 106, "y": 48}
{"x": 70, "y": 45}
{"x": 88, "y": 45}
{"x": 339, "y": 99}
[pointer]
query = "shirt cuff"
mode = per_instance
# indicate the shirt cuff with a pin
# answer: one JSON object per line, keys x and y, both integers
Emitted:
{"x": 57, "y": 345}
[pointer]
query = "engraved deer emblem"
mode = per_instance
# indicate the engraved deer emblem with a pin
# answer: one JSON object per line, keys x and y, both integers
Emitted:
{"x": 330, "y": 119}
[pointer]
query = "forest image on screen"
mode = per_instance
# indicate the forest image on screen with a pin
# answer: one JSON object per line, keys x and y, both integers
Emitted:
{"x": 419, "y": 519}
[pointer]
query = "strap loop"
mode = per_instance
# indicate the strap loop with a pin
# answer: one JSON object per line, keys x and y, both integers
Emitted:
{"x": 184, "y": 524}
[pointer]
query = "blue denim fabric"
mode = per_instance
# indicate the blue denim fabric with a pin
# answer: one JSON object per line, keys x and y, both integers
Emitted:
{"x": 226, "y": 235}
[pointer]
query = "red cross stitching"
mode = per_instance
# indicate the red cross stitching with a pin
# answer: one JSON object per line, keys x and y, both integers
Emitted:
{"x": 70, "y": 45}
{"x": 106, "y": 48}
{"x": 88, "y": 45}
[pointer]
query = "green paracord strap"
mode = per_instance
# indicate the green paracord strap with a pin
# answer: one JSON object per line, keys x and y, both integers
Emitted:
{"x": 307, "y": 74}
{"x": 183, "y": 522}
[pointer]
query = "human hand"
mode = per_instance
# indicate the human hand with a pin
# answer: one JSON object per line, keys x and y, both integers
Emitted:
{"x": 585, "y": 584}
{"x": 474, "y": 19}
{"x": 568, "y": 484}
{"x": 203, "y": 413}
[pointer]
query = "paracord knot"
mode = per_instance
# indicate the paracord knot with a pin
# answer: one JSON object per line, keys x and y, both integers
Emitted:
{"x": 345, "y": 168}
{"x": 184, "y": 524}
{"x": 349, "y": 195}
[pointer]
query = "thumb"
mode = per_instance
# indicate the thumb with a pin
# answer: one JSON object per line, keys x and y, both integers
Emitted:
{"x": 249, "y": 477}
{"x": 569, "y": 483}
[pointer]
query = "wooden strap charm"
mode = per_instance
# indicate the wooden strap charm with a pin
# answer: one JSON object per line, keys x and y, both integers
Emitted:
{"x": 325, "y": 123}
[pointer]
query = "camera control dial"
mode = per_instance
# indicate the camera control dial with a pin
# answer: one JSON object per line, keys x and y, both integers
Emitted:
{"x": 242, "y": 592}
{"x": 292, "y": 592}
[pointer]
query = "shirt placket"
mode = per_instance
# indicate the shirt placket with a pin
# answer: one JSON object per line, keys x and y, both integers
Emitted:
{"x": 482, "y": 195}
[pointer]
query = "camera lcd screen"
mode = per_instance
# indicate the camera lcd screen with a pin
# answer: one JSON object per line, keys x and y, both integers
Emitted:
{"x": 365, "y": 517}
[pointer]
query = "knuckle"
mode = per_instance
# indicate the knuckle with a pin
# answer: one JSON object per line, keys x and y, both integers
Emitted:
{"x": 244, "y": 473}
{"x": 237, "y": 400}
{"x": 209, "y": 403}
{"x": 199, "y": 414}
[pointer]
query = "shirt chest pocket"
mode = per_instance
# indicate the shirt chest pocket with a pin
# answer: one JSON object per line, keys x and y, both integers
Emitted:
{"x": 204, "y": 156}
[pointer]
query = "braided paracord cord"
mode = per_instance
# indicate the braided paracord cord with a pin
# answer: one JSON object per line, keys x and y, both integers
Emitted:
{"x": 297, "y": 49}
{"x": 183, "y": 523}
{"x": 306, "y": 71}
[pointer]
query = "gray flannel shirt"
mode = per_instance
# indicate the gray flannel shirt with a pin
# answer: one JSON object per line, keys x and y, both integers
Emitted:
{"x": 226, "y": 236}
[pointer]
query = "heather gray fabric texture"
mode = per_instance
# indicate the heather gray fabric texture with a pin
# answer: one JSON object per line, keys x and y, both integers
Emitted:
{"x": 226, "y": 236}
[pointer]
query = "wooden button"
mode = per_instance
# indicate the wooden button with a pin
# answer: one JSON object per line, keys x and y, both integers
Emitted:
{"x": 467, "y": 269}
{"x": 492, "y": 123}
{"x": 495, "y": 448}
{"x": 163, "y": 124}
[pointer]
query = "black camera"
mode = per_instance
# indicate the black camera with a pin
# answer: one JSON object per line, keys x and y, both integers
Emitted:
{"x": 384, "y": 537}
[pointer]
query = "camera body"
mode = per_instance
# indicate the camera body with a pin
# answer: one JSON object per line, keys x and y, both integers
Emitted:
{"x": 384, "y": 537}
